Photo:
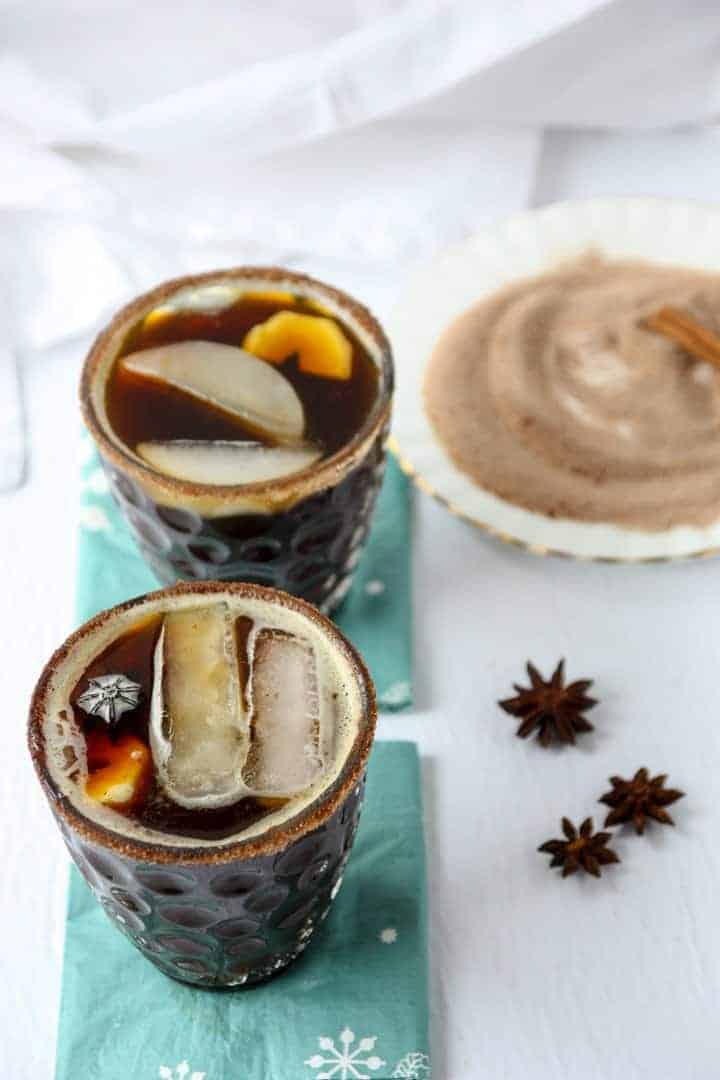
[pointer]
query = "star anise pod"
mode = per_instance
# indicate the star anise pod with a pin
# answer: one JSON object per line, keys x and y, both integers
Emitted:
{"x": 580, "y": 849}
{"x": 555, "y": 710}
{"x": 638, "y": 799}
{"x": 110, "y": 697}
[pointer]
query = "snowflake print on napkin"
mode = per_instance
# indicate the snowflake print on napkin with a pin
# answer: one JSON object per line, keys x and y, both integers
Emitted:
{"x": 345, "y": 1062}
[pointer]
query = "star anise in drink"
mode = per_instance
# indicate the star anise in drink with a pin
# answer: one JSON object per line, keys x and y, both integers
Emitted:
{"x": 638, "y": 799}
{"x": 110, "y": 697}
{"x": 551, "y": 708}
{"x": 580, "y": 850}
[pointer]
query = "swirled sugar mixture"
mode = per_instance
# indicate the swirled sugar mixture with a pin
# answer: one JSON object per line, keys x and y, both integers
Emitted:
{"x": 552, "y": 394}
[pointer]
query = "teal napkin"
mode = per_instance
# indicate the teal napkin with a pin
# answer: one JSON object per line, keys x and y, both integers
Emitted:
{"x": 376, "y": 615}
{"x": 353, "y": 1007}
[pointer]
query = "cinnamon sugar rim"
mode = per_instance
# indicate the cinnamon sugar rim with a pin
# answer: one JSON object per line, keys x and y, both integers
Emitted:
{"x": 222, "y": 499}
{"x": 275, "y": 838}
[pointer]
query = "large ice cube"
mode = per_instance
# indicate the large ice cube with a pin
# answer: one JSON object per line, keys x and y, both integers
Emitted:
{"x": 224, "y": 462}
{"x": 198, "y": 727}
{"x": 229, "y": 377}
{"x": 284, "y": 756}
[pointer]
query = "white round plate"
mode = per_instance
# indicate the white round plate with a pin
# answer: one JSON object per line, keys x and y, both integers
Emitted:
{"x": 658, "y": 230}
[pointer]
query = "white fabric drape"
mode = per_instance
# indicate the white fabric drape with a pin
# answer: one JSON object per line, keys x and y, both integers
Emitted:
{"x": 142, "y": 140}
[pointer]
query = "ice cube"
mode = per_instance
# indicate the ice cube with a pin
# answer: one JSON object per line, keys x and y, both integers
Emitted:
{"x": 230, "y": 378}
{"x": 284, "y": 756}
{"x": 222, "y": 462}
{"x": 198, "y": 727}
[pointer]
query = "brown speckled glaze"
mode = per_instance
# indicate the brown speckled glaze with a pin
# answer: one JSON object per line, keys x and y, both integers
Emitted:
{"x": 304, "y": 533}
{"x": 229, "y": 915}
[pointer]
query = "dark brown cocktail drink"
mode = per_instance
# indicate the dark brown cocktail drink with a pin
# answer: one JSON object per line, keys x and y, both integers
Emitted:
{"x": 336, "y": 391}
{"x": 241, "y": 416}
{"x": 203, "y": 749}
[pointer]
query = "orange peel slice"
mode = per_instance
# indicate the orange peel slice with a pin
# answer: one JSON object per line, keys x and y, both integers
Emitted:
{"x": 270, "y": 296}
{"x": 120, "y": 771}
{"x": 157, "y": 316}
{"x": 319, "y": 343}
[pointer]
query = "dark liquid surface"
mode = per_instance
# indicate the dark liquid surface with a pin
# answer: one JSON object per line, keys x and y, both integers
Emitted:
{"x": 132, "y": 654}
{"x": 141, "y": 409}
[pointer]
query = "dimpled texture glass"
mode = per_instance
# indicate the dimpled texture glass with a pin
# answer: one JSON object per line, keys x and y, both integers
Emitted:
{"x": 224, "y": 914}
{"x": 303, "y": 534}
{"x": 310, "y": 550}
{"x": 226, "y": 925}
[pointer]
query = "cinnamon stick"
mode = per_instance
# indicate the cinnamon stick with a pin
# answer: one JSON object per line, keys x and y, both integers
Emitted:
{"x": 692, "y": 336}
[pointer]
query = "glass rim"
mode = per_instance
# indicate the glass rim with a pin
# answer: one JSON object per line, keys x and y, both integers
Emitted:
{"x": 267, "y": 494}
{"x": 276, "y": 838}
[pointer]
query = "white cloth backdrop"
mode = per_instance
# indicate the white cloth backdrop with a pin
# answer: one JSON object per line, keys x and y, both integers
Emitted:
{"x": 140, "y": 140}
